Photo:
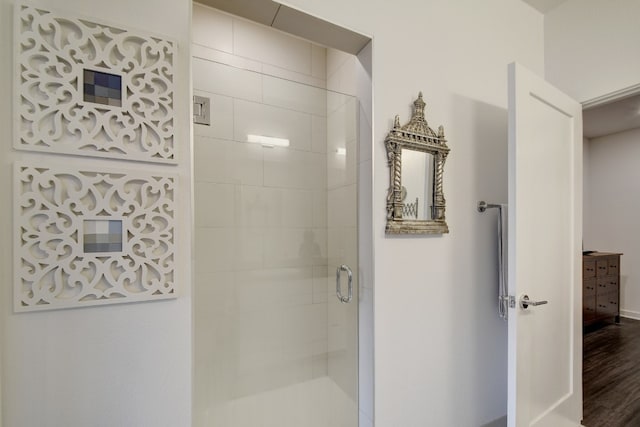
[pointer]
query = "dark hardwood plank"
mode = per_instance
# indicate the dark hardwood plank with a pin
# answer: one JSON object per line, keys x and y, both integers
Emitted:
{"x": 611, "y": 375}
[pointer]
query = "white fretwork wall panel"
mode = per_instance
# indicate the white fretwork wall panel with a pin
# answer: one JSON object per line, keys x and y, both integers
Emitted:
{"x": 87, "y": 88}
{"x": 86, "y": 237}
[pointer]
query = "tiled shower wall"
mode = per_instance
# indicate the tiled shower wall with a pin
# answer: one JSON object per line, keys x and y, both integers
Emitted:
{"x": 265, "y": 315}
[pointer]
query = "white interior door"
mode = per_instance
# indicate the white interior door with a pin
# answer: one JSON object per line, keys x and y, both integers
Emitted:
{"x": 545, "y": 232}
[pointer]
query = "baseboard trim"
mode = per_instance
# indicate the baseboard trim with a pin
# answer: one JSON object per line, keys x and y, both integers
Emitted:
{"x": 630, "y": 314}
{"x": 499, "y": 422}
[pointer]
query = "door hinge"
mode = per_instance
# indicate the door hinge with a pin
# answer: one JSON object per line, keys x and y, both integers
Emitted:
{"x": 201, "y": 110}
{"x": 512, "y": 301}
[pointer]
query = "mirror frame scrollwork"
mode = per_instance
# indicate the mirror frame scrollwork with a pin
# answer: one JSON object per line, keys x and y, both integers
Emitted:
{"x": 418, "y": 136}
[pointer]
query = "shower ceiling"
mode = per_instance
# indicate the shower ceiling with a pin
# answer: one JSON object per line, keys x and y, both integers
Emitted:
{"x": 544, "y": 5}
{"x": 294, "y": 22}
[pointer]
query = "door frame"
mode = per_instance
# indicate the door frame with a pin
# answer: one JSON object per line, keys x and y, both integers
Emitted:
{"x": 607, "y": 98}
{"x": 614, "y": 96}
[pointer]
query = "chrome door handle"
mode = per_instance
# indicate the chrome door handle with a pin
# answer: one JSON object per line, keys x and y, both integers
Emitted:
{"x": 526, "y": 302}
{"x": 349, "y": 296}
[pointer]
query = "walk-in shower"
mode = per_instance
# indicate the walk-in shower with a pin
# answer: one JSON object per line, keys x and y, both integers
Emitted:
{"x": 276, "y": 225}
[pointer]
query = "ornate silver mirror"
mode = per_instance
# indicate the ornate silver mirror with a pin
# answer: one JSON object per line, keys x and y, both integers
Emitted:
{"x": 416, "y": 155}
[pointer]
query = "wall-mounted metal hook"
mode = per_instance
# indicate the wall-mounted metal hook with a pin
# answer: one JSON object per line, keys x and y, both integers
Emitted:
{"x": 483, "y": 206}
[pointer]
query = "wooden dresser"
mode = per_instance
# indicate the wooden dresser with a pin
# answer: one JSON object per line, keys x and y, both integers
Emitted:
{"x": 600, "y": 287}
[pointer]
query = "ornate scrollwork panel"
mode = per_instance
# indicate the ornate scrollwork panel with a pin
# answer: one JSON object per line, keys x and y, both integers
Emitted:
{"x": 88, "y": 237}
{"x": 87, "y": 88}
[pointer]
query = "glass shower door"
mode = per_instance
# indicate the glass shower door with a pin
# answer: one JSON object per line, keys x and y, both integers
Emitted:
{"x": 276, "y": 216}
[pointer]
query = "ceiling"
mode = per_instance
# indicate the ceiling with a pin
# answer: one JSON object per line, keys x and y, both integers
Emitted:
{"x": 544, "y": 5}
{"x": 294, "y": 22}
{"x": 613, "y": 117}
{"x": 605, "y": 119}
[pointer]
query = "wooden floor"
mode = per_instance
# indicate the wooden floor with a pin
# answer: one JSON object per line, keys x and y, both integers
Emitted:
{"x": 611, "y": 376}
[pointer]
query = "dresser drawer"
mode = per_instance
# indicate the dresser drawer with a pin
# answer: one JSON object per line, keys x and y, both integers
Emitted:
{"x": 602, "y": 267}
{"x": 589, "y": 287}
{"x": 588, "y": 308}
{"x": 588, "y": 269}
{"x": 607, "y": 305}
{"x": 606, "y": 284}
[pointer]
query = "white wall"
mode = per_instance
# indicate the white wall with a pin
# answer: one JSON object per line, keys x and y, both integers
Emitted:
{"x": 591, "y": 47}
{"x": 612, "y": 209}
{"x": 126, "y": 364}
{"x": 440, "y": 349}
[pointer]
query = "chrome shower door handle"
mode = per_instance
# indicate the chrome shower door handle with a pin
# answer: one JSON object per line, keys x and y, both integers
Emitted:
{"x": 525, "y": 302}
{"x": 349, "y": 296}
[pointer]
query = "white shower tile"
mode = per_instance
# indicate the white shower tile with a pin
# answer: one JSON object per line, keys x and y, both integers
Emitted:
{"x": 214, "y": 205}
{"x": 214, "y": 295}
{"x": 342, "y": 168}
{"x": 226, "y": 249}
{"x": 248, "y": 248}
{"x": 214, "y": 55}
{"x": 319, "y": 134}
{"x": 342, "y": 122}
{"x": 319, "y": 366}
{"x": 297, "y": 208}
{"x": 305, "y": 324}
{"x": 342, "y": 246}
{"x": 320, "y": 347}
{"x": 294, "y": 96}
{"x": 226, "y": 80}
{"x": 259, "y": 341}
{"x": 221, "y": 115}
{"x": 212, "y": 250}
{"x": 260, "y": 331}
{"x": 319, "y": 208}
{"x": 294, "y": 169}
{"x": 342, "y": 206}
{"x": 320, "y": 280}
{"x": 335, "y": 59}
{"x": 274, "y": 207}
{"x": 283, "y": 73}
{"x": 319, "y": 61}
{"x": 211, "y": 28}
{"x": 336, "y": 101}
{"x": 271, "y": 47}
{"x": 274, "y": 288}
{"x": 343, "y": 77}
{"x": 342, "y": 345}
{"x": 253, "y": 118}
{"x": 228, "y": 162}
{"x": 337, "y": 330}
{"x": 341, "y": 137}
{"x": 286, "y": 247}
{"x": 253, "y": 205}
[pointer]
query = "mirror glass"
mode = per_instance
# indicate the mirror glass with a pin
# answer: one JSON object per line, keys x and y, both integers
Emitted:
{"x": 417, "y": 184}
